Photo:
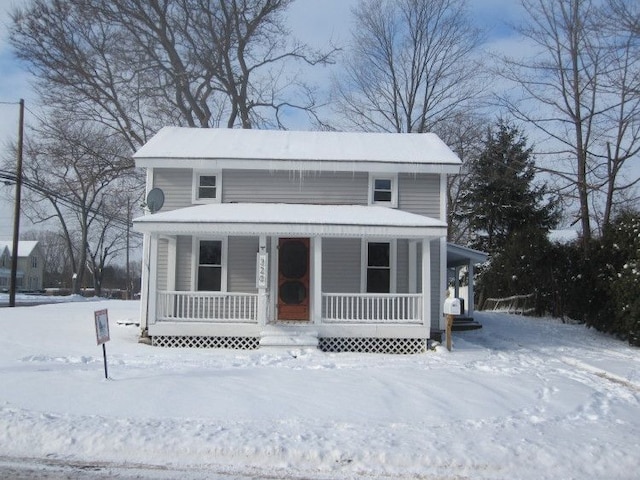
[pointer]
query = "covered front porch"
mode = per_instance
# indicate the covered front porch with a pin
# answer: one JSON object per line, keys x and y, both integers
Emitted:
{"x": 334, "y": 300}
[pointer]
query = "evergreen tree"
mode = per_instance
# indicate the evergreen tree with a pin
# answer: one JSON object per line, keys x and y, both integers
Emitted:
{"x": 502, "y": 199}
{"x": 509, "y": 217}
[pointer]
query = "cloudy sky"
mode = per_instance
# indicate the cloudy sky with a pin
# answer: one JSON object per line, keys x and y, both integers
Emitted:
{"x": 316, "y": 22}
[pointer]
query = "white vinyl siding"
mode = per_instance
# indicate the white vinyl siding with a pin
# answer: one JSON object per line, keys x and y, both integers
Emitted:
{"x": 183, "y": 264}
{"x": 291, "y": 187}
{"x": 419, "y": 194}
{"x": 242, "y": 264}
{"x": 402, "y": 266}
{"x": 175, "y": 183}
{"x": 341, "y": 265}
{"x": 162, "y": 264}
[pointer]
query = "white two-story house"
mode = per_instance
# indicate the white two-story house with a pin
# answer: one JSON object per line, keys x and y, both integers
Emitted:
{"x": 258, "y": 237}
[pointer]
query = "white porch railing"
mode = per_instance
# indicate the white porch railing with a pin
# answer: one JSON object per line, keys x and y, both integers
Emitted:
{"x": 404, "y": 308}
{"x": 207, "y": 307}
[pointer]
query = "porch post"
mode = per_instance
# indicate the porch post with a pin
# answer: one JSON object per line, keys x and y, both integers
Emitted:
{"x": 316, "y": 288}
{"x": 456, "y": 282}
{"x": 426, "y": 284}
{"x": 470, "y": 292}
{"x": 262, "y": 291}
{"x": 144, "y": 284}
{"x": 153, "y": 278}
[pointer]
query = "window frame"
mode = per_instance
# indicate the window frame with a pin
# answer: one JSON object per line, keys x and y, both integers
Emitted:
{"x": 195, "y": 186}
{"x": 195, "y": 262}
{"x": 393, "y": 178}
{"x": 364, "y": 250}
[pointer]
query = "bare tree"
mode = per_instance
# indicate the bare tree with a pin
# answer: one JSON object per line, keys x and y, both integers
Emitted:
{"x": 71, "y": 174}
{"x": 134, "y": 65}
{"x": 578, "y": 90}
{"x": 620, "y": 21}
{"x": 465, "y": 134}
{"x": 410, "y": 67}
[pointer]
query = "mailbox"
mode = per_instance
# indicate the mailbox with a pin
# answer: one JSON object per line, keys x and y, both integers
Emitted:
{"x": 452, "y": 306}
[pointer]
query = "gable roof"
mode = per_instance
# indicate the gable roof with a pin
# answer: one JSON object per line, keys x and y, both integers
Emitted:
{"x": 302, "y": 150}
{"x": 25, "y": 247}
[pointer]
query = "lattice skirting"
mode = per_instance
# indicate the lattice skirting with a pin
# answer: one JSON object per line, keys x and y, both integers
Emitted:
{"x": 237, "y": 343}
{"x": 403, "y": 346}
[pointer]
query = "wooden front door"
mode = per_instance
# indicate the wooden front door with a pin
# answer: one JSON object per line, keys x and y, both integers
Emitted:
{"x": 293, "y": 279}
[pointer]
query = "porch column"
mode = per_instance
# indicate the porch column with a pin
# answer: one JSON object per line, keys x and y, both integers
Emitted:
{"x": 316, "y": 285}
{"x": 456, "y": 282}
{"x": 426, "y": 283}
{"x": 153, "y": 279}
{"x": 144, "y": 283}
{"x": 470, "y": 292}
{"x": 263, "y": 303}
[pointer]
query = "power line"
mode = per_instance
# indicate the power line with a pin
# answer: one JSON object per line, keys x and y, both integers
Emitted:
{"x": 119, "y": 222}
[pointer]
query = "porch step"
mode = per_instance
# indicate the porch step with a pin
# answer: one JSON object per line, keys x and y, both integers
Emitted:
{"x": 285, "y": 336}
{"x": 461, "y": 324}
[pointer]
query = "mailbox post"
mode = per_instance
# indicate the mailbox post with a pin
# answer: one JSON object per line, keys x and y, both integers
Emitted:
{"x": 452, "y": 306}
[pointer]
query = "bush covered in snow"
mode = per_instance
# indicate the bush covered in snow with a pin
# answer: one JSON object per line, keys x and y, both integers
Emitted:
{"x": 601, "y": 288}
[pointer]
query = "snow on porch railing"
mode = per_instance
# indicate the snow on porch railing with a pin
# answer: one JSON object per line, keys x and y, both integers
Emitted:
{"x": 403, "y": 308}
{"x": 207, "y": 307}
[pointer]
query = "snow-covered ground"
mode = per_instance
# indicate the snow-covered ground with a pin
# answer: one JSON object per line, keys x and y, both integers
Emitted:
{"x": 522, "y": 398}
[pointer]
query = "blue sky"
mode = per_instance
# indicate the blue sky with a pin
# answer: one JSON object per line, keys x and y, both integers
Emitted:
{"x": 314, "y": 21}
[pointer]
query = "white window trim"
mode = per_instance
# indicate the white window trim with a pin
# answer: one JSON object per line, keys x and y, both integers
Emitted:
{"x": 195, "y": 184}
{"x": 393, "y": 260}
{"x": 394, "y": 188}
{"x": 195, "y": 261}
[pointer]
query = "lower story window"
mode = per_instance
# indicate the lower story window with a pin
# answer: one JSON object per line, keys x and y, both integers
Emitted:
{"x": 378, "y": 267}
{"x": 210, "y": 265}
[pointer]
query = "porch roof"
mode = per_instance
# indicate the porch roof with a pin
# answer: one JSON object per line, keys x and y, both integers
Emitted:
{"x": 458, "y": 256}
{"x": 291, "y": 219}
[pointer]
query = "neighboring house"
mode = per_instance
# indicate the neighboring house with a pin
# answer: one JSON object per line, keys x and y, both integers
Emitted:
{"x": 304, "y": 238}
{"x": 30, "y": 266}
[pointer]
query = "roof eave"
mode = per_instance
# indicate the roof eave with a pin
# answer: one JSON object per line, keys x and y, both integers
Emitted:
{"x": 290, "y": 229}
{"x": 298, "y": 165}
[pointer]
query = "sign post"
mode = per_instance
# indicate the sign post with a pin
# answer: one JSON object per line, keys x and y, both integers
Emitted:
{"x": 102, "y": 334}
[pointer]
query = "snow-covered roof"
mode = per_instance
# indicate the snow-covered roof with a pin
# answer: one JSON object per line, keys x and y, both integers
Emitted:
{"x": 298, "y": 150}
{"x": 25, "y": 247}
{"x": 458, "y": 255}
{"x": 291, "y": 219}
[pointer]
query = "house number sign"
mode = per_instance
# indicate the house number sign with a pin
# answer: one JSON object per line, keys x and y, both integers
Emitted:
{"x": 262, "y": 269}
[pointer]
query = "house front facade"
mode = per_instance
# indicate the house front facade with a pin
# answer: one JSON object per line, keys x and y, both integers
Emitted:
{"x": 328, "y": 239}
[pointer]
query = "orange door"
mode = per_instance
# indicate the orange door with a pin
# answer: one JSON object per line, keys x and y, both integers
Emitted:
{"x": 293, "y": 279}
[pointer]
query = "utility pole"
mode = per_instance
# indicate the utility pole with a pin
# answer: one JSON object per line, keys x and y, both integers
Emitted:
{"x": 128, "y": 285}
{"x": 16, "y": 212}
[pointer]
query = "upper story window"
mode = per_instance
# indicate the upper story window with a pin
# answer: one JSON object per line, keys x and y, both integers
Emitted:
{"x": 383, "y": 190}
{"x": 34, "y": 262}
{"x": 207, "y": 187}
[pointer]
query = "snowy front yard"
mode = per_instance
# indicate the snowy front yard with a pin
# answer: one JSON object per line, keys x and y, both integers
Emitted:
{"x": 522, "y": 398}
